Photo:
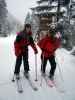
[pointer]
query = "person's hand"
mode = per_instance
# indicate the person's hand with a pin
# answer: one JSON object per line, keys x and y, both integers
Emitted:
{"x": 36, "y": 51}
{"x": 58, "y": 35}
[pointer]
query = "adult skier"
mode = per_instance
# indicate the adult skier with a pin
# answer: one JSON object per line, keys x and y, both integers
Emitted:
{"x": 23, "y": 40}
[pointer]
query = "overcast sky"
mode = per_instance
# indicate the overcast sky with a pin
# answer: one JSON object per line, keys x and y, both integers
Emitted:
{"x": 19, "y": 8}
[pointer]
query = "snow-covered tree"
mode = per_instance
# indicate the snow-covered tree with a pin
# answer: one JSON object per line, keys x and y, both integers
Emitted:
{"x": 13, "y": 24}
{"x": 34, "y": 21}
{"x": 68, "y": 31}
{"x": 28, "y": 18}
{"x": 3, "y": 14}
{"x": 34, "y": 24}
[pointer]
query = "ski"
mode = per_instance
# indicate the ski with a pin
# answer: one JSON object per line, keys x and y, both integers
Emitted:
{"x": 18, "y": 84}
{"x": 52, "y": 83}
{"x": 31, "y": 83}
{"x": 48, "y": 81}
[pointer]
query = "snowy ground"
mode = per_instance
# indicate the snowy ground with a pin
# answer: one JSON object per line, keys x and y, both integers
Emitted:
{"x": 8, "y": 89}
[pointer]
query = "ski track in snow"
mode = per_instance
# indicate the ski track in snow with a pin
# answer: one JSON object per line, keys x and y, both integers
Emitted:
{"x": 64, "y": 60}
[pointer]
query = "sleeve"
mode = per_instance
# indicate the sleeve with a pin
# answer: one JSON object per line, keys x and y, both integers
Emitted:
{"x": 18, "y": 38}
{"x": 57, "y": 43}
{"x": 58, "y": 35}
{"x": 41, "y": 43}
{"x": 17, "y": 46}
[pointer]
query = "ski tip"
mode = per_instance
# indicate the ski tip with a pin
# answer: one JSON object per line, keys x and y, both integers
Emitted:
{"x": 20, "y": 91}
{"x": 36, "y": 80}
{"x": 35, "y": 89}
{"x": 13, "y": 80}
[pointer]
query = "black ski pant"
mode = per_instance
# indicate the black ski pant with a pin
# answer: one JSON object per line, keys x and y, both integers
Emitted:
{"x": 19, "y": 59}
{"x": 51, "y": 61}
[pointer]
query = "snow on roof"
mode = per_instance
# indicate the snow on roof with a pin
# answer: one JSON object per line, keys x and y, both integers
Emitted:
{"x": 54, "y": 10}
{"x": 47, "y": 3}
{"x": 44, "y": 3}
{"x": 54, "y": 4}
{"x": 45, "y": 11}
{"x": 73, "y": 0}
{"x": 62, "y": 9}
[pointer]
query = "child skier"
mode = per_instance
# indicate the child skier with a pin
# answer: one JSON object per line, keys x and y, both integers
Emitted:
{"x": 23, "y": 39}
{"x": 48, "y": 46}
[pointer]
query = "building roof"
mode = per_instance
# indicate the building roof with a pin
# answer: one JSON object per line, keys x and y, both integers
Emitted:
{"x": 40, "y": 1}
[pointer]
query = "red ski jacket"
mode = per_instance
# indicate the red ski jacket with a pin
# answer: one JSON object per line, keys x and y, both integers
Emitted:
{"x": 21, "y": 45}
{"x": 48, "y": 45}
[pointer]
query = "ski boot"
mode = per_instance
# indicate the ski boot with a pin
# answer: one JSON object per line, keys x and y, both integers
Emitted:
{"x": 15, "y": 77}
{"x": 51, "y": 77}
{"x": 26, "y": 74}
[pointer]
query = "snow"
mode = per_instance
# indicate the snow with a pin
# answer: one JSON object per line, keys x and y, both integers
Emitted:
{"x": 45, "y": 3}
{"x": 63, "y": 9}
{"x": 54, "y": 3}
{"x": 65, "y": 61}
{"x": 53, "y": 10}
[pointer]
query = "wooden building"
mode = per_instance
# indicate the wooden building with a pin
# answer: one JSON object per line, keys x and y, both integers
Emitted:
{"x": 47, "y": 13}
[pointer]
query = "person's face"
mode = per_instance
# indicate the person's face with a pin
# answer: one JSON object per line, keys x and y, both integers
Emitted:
{"x": 28, "y": 29}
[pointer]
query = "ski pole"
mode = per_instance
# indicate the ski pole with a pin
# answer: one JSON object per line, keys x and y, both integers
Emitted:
{"x": 42, "y": 70}
{"x": 36, "y": 68}
{"x": 59, "y": 70}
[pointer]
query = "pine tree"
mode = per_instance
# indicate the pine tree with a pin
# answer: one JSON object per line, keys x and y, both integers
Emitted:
{"x": 28, "y": 18}
{"x": 34, "y": 24}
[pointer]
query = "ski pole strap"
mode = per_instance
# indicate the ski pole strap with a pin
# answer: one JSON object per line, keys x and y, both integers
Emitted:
{"x": 60, "y": 72}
